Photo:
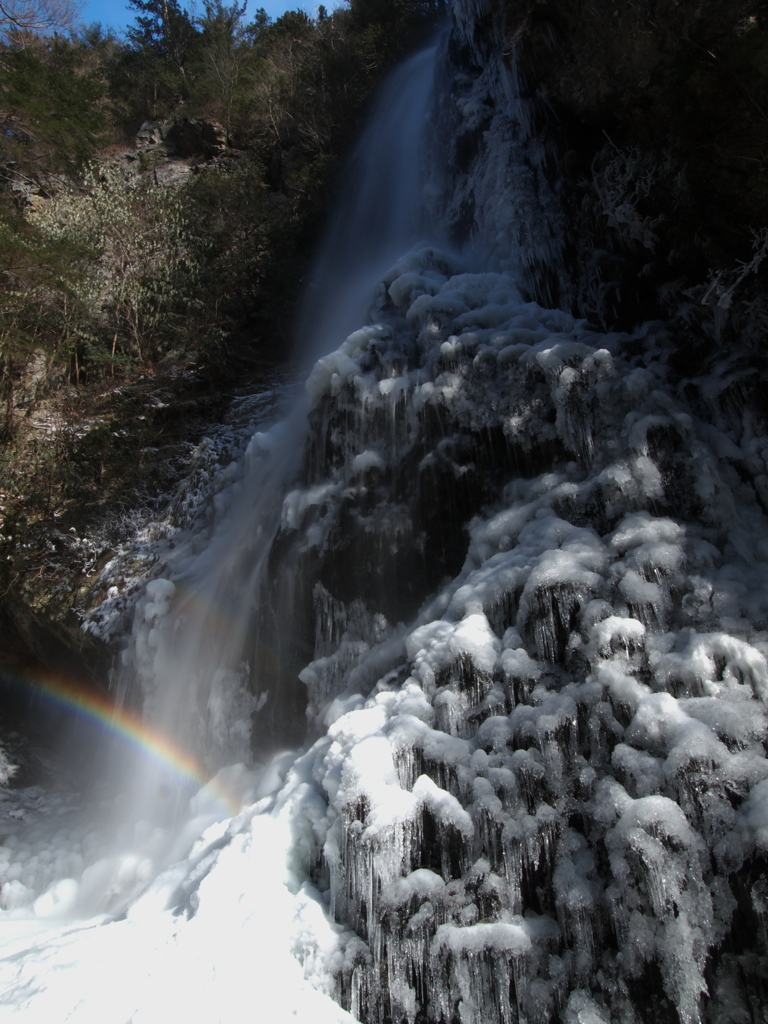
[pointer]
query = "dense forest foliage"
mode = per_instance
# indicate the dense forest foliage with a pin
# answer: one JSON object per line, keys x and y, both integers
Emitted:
{"x": 178, "y": 254}
{"x": 102, "y": 277}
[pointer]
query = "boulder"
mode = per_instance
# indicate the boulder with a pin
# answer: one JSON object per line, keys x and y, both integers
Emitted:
{"x": 183, "y": 137}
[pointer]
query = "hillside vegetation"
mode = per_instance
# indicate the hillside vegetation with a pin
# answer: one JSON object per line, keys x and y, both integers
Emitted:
{"x": 160, "y": 198}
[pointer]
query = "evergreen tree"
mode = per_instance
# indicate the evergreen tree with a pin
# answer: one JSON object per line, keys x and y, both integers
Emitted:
{"x": 222, "y": 57}
{"x": 52, "y": 115}
{"x": 165, "y": 30}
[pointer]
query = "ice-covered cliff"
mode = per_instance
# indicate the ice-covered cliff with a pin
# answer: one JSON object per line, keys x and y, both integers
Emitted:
{"x": 544, "y": 787}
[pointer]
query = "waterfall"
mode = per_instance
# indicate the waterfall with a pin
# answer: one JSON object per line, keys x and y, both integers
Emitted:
{"x": 213, "y": 647}
{"x": 380, "y": 210}
{"x": 509, "y": 572}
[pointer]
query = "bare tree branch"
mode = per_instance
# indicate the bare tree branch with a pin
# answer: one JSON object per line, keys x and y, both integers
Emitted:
{"x": 37, "y": 15}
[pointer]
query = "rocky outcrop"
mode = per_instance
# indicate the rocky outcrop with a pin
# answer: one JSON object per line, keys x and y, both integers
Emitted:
{"x": 131, "y": 445}
{"x": 172, "y": 149}
{"x": 183, "y": 137}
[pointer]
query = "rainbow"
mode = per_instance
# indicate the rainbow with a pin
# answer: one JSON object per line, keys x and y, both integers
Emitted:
{"x": 152, "y": 744}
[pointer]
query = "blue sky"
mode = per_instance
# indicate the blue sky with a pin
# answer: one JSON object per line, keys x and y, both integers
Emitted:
{"x": 116, "y": 13}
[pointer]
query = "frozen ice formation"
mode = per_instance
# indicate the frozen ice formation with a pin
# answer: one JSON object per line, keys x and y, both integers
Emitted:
{"x": 540, "y": 666}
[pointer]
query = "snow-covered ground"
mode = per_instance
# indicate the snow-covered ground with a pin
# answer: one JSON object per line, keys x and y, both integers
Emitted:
{"x": 210, "y": 938}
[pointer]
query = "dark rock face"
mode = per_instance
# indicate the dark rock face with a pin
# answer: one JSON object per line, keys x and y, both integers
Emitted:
{"x": 647, "y": 128}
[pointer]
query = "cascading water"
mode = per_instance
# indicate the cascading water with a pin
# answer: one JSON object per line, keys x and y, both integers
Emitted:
{"x": 213, "y": 649}
{"x": 380, "y": 212}
{"x": 533, "y": 601}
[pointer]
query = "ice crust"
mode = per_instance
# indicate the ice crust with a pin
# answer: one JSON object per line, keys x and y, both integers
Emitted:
{"x": 545, "y": 788}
